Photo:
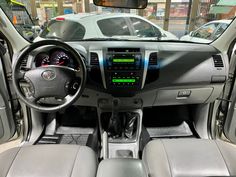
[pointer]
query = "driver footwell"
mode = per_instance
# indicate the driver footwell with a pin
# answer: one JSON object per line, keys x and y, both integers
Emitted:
{"x": 76, "y": 125}
{"x": 79, "y": 139}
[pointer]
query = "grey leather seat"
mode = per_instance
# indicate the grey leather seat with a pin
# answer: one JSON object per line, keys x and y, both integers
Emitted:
{"x": 189, "y": 157}
{"x": 48, "y": 161}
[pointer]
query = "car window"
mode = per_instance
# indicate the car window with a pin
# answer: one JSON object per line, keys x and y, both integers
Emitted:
{"x": 161, "y": 20}
{"x": 143, "y": 28}
{"x": 222, "y": 27}
{"x": 206, "y": 31}
{"x": 114, "y": 27}
{"x": 20, "y": 18}
{"x": 65, "y": 30}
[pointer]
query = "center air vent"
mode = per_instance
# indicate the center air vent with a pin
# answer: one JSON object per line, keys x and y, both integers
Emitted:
{"x": 153, "y": 59}
{"x": 94, "y": 59}
{"x": 218, "y": 62}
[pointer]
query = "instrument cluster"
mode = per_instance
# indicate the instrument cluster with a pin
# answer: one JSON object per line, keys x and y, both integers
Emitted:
{"x": 58, "y": 57}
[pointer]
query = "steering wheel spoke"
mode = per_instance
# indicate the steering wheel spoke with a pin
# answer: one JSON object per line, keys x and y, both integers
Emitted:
{"x": 67, "y": 98}
{"x": 20, "y": 74}
{"x": 78, "y": 73}
{"x": 32, "y": 99}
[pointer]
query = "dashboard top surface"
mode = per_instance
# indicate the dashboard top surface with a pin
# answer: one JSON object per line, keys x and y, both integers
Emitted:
{"x": 165, "y": 66}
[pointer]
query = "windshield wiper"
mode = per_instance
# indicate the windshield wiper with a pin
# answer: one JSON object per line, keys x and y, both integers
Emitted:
{"x": 180, "y": 41}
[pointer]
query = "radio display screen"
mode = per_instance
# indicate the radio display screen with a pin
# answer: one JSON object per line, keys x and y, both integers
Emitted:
{"x": 123, "y": 60}
{"x": 123, "y": 80}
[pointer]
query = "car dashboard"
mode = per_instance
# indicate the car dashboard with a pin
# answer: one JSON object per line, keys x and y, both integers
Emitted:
{"x": 142, "y": 74}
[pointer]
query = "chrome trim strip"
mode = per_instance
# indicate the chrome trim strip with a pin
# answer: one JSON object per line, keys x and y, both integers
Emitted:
{"x": 146, "y": 61}
{"x": 101, "y": 64}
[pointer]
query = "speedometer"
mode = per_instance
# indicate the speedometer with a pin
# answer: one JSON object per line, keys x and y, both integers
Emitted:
{"x": 60, "y": 58}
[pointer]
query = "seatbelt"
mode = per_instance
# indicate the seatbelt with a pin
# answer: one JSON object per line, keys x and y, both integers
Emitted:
{"x": 228, "y": 90}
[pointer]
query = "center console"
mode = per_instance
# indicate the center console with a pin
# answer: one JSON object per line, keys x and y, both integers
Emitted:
{"x": 123, "y": 73}
{"x": 120, "y": 131}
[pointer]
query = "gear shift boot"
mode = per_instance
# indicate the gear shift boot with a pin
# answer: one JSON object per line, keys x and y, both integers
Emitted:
{"x": 114, "y": 127}
{"x": 131, "y": 125}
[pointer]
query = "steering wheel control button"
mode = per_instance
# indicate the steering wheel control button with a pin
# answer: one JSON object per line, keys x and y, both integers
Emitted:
{"x": 49, "y": 75}
{"x": 75, "y": 86}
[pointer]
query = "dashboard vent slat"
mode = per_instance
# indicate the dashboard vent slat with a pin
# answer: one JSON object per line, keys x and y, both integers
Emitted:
{"x": 23, "y": 64}
{"x": 218, "y": 62}
{"x": 153, "y": 59}
{"x": 94, "y": 59}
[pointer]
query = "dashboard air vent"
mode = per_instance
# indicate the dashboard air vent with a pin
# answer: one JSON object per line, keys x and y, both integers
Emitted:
{"x": 218, "y": 62}
{"x": 23, "y": 64}
{"x": 94, "y": 59}
{"x": 153, "y": 59}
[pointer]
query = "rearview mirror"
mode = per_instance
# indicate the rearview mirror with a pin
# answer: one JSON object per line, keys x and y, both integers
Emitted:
{"x": 129, "y": 4}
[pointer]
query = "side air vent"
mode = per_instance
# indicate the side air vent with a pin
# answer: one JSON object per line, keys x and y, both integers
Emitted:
{"x": 218, "y": 62}
{"x": 94, "y": 59}
{"x": 23, "y": 65}
{"x": 153, "y": 59}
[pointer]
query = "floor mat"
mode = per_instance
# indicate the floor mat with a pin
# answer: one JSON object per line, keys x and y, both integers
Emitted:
{"x": 68, "y": 135}
{"x": 65, "y": 139}
{"x": 50, "y": 139}
{"x": 173, "y": 131}
{"x": 74, "y": 139}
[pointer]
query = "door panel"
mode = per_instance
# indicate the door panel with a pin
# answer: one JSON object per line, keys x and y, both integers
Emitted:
{"x": 7, "y": 124}
{"x": 230, "y": 107}
{"x": 230, "y": 124}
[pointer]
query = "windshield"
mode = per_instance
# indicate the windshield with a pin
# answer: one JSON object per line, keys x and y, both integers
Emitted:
{"x": 200, "y": 21}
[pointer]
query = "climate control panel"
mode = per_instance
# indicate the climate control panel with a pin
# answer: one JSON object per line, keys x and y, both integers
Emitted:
{"x": 128, "y": 79}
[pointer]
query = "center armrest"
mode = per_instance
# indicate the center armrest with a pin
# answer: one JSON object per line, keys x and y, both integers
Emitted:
{"x": 121, "y": 168}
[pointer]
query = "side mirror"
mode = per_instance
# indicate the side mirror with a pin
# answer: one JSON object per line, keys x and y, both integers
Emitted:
{"x": 191, "y": 33}
{"x": 36, "y": 29}
{"x": 159, "y": 35}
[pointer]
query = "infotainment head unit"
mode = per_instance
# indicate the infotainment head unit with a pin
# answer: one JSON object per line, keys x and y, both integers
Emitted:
{"x": 123, "y": 71}
{"x": 123, "y": 61}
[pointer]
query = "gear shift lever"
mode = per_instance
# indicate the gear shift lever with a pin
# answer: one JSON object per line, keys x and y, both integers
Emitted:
{"x": 114, "y": 127}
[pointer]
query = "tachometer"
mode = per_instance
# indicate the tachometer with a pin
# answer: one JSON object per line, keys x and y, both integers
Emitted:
{"x": 42, "y": 59}
{"x": 45, "y": 61}
{"x": 63, "y": 59}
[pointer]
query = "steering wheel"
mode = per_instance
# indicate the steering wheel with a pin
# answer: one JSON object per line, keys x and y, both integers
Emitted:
{"x": 62, "y": 83}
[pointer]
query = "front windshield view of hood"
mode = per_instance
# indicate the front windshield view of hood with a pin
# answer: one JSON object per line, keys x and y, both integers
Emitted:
{"x": 117, "y": 88}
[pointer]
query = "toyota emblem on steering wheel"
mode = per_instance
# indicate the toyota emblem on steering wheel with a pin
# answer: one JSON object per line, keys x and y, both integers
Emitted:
{"x": 49, "y": 75}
